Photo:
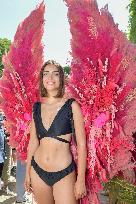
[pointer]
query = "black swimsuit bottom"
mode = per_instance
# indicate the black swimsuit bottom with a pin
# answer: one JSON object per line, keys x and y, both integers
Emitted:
{"x": 50, "y": 178}
{"x": 61, "y": 125}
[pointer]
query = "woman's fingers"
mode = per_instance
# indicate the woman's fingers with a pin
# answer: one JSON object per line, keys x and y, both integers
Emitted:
{"x": 79, "y": 191}
{"x": 80, "y": 195}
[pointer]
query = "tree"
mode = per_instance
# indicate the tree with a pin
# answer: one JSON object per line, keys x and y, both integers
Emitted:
{"x": 66, "y": 70}
{"x": 4, "y": 48}
{"x": 132, "y": 21}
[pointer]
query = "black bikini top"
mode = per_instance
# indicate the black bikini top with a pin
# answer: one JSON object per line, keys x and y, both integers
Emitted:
{"x": 61, "y": 125}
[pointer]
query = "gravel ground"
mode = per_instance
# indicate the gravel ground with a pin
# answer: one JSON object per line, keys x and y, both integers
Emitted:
{"x": 9, "y": 196}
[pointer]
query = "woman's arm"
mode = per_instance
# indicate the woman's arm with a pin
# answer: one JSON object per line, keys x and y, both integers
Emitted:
{"x": 32, "y": 147}
{"x": 80, "y": 189}
{"x": 80, "y": 138}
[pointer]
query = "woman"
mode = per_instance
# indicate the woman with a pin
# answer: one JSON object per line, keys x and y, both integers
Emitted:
{"x": 51, "y": 172}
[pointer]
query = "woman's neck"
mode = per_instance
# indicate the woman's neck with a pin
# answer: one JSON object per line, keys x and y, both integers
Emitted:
{"x": 51, "y": 100}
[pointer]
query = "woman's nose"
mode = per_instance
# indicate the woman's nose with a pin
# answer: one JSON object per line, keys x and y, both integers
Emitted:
{"x": 50, "y": 76}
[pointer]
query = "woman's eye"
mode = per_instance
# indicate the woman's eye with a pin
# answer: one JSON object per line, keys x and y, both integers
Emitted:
{"x": 56, "y": 74}
{"x": 45, "y": 74}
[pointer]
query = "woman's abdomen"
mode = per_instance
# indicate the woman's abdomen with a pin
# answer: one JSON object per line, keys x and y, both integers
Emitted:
{"x": 53, "y": 155}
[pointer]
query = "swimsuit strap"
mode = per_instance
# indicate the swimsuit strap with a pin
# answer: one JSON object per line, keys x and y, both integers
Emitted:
{"x": 61, "y": 139}
{"x": 71, "y": 100}
{"x": 72, "y": 121}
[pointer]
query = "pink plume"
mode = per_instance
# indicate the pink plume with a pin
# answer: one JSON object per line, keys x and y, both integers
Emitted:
{"x": 20, "y": 82}
{"x": 103, "y": 82}
{"x": 100, "y": 120}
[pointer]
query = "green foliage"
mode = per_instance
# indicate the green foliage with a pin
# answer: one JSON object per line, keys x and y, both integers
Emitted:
{"x": 120, "y": 191}
{"x": 4, "y": 48}
{"x": 132, "y": 21}
{"x": 66, "y": 70}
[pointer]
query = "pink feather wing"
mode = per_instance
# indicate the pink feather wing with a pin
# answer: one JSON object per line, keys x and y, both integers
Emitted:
{"x": 19, "y": 84}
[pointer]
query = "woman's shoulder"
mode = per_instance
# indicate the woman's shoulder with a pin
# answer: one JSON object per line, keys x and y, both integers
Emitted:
{"x": 76, "y": 109}
{"x": 69, "y": 100}
{"x": 74, "y": 103}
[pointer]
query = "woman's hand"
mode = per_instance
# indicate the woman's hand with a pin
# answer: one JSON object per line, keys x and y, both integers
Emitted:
{"x": 80, "y": 189}
{"x": 27, "y": 184}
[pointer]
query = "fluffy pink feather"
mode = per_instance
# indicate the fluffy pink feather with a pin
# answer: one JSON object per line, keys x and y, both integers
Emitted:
{"x": 103, "y": 73}
{"x": 19, "y": 84}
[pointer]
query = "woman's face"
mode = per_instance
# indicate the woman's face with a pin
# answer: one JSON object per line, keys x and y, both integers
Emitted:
{"x": 51, "y": 78}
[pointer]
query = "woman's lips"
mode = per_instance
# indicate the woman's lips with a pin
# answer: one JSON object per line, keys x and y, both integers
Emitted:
{"x": 50, "y": 83}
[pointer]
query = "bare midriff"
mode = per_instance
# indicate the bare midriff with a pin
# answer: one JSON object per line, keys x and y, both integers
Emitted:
{"x": 53, "y": 155}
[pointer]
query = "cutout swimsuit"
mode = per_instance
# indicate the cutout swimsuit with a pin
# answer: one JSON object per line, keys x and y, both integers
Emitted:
{"x": 61, "y": 125}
